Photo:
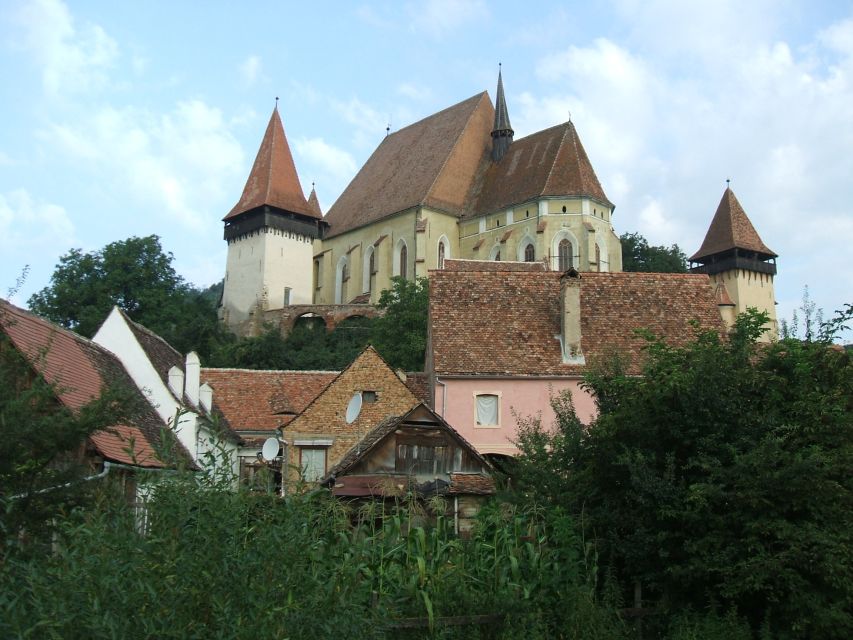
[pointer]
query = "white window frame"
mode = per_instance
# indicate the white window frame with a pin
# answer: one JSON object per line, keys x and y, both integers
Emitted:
{"x": 526, "y": 240}
{"x": 496, "y": 394}
{"x": 555, "y": 248}
{"x": 495, "y": 251}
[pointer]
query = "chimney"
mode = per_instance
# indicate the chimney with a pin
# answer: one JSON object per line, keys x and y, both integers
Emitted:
{"x": 176, "y": 382}
{"x": 570, "y": 317}
{"x": 205, "y": 396}
{"x": 193, "y": 369}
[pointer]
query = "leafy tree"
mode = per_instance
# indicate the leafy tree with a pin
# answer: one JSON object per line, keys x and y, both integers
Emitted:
{"x": 638, "y": 255}
{"x": 400, "y": 334}
{"x": 137, "y": 276}
{"x": 722, "y": 475}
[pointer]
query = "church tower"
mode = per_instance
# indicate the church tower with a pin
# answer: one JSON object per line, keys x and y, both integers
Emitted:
{"x": 270, "y": 232}
{"x": 502, "y": 132}
{"x": 740, "y": 265}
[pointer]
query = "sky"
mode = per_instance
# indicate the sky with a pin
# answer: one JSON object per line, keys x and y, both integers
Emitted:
{"x": 125, "y": 119}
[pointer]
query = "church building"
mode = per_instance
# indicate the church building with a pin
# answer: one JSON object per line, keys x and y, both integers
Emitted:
{"x": 453, "y": 185}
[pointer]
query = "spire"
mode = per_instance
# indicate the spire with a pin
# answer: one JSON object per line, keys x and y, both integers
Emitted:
{"x": 314, "y": 203}
{"x": 731, "y": 229}
{"x": 502, "y": 131}
{"x": 273, "y": 180}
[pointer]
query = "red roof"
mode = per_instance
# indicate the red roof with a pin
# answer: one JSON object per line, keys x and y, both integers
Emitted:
{"x": 264, "y": 400}
{"x": 507, "y": 323}
{"x": 731, "y": 229}
{"x": 80, "y": 370}
{"x": 273, "y": 180}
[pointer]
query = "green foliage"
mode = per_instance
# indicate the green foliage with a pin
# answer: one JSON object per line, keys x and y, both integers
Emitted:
{"x": 40, "y": 465}
{"x": 400, "y": 334}
{"x": 214, "y": 563}
{"x": 638, "y": 255}
{"x": 720, "y": 475}
{"x": 138, "y": 277}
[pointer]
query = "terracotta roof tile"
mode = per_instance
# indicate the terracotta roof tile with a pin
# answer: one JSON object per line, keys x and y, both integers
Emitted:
{"x": 418, "y": 384}
{"x": 471, "y": 483}
{"x": 517, "y": 318}
{"x": 81, "y": 370}
{"x": 255, "y": 400}
{"x": 552, "y": 162}
{"x": 431, "y": 162}
{"x": 731, "y": 229}
{"x": 314, "y": 203}
{"x": 458, "y": 264}
{"x": 273, "y": 180}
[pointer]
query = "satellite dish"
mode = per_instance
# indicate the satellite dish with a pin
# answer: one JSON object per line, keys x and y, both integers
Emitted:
{"x": 354, "y": 408}
{"x": 270, "y": 450}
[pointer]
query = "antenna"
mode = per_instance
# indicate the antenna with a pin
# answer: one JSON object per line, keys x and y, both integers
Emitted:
{"x": 354, "y": 408}
{"x": 270, "y": 449}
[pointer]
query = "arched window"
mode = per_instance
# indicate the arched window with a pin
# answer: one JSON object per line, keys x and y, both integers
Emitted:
{"x": 602, "y": 257}
{"x": 369, "y": 264}
{"x": 529, "y": 253}
{"x": 341, "y": 277}
{"x": 404, "y": 260}
{"x": 441, "y": 255}
{"x": 597, "y": 257}
{"x": 498, "y": 256}
{"x": 565, "y": 254}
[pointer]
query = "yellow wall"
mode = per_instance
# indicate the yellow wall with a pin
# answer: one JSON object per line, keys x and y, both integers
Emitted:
{"x": 750, "y": 289}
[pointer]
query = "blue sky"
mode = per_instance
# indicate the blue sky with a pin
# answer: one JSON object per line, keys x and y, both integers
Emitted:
{"x": 133, "y": 118}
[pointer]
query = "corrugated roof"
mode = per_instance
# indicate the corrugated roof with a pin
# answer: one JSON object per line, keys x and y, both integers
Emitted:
{"x": 731, "y": 229}
{"x": 431, "y": 162}
{"x": 514, "y": 319}
{"x": 80, "y": 371}
{"x": 273, "y": 180}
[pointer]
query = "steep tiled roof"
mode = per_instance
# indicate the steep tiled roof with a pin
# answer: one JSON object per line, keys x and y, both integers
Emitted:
{"x": 418, "y": 384}
{"x": 255, "y": 400}
{"x": 80, "y": 371}
{"x": 314, "y": 203}
{"x": 731, "y": 229}
{"x": 515, "y": 318}
{"x": 431, "y": 162}
{"x": 273, "y": 180}
{"x": 551, "y": 162}
{"x": 457, "y": 264}
{"x": 471, "y": 483}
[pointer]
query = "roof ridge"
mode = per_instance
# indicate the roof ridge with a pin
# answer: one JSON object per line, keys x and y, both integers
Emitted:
{"x": 142, "y": 328}
{"x": 440, "y": 172}
{"x": 434, "y": 115}
{"x": 236, "y": 369}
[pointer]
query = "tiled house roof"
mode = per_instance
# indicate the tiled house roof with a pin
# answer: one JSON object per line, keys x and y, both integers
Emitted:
{"x": 457, "y": 264}
{"x": 418, "y": 384}
{"x": 255, "y": 400}
{"x": 431, "y": 162}
{"x": 273, "y": 180}
{"x": 81, "y": 370}
{"x": 514, "y": 319}
{"x": 731, "y": 229}
{"x": 552, "y": 162}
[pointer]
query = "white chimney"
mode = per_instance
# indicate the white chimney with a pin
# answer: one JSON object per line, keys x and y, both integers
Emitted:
{"x": 176, "y": 382}
{"x": 205, "y": 396}
{"x": 193, "y": 369}
{"x": 570, "y": 317}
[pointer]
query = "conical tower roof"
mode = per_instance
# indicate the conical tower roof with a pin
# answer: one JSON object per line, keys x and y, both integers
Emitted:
{"x": 273, "y": 180}
{"x": 501, "y": 112}
{"x": 731, "y": 229}
{"x": 314, "y": 203}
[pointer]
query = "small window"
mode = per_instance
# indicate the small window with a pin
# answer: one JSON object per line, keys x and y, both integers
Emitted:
{"x": 487, "y": 410}
{"x": 372, "y": 263}
{"x": 564, "y": 208}
{"x": 287, "y": 296}
{"x": 312, "y": 463}
{"x": 368, "y": 396}
{"x": 498, "y": 256}
{"x": 529, "y": 253}
{"x": 441, "y": 255}
{"x": 404, "y": 260}
{"x": 317, "y": 274}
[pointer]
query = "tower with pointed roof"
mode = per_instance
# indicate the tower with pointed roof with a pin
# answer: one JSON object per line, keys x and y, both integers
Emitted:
{"x": 270, "y": 234}
{"x": 740, "y": 265}
{"x": 502, "y": 132}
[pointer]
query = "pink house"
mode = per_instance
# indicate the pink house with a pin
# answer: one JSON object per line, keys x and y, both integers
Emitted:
{"x": 504, "y": 337}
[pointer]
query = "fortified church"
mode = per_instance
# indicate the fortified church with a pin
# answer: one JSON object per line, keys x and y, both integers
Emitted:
{"x": 453, "y": 185}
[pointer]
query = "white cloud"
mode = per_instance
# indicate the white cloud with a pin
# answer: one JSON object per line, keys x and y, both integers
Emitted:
{"x": 440, "y": 17}
{"x": 73, "y": 58}
{"x": 414, "y": 91}
{"x": 250, "y": 70}
{"x": 177, "y": 162}
{"x": 330, "y": 159}
{"x": 27, "y": 224}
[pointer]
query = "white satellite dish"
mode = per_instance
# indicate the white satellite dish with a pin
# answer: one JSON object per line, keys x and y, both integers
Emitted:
{"x": 354, "y": 408}
{"x": 270, "y": 450}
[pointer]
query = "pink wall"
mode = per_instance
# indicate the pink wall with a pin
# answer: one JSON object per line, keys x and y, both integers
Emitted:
{"x": 525, "y": 397}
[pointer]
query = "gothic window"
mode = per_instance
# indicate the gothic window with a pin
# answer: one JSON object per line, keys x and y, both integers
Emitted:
{"x": 498, "y": 256}
{"x": 441, "y": 255}
{"x": 404, "y": 259}
{"x": 597, "y": 257}
{"x": 529, "y": 253}
{"x": 565, "y": 254}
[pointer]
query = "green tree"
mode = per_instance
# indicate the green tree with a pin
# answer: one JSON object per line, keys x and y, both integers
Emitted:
{"x": 400, "y": 334}
{"x": 137, "y": 276}
{"x": 639, "y": 255}
{"x": 722, "y": 475}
